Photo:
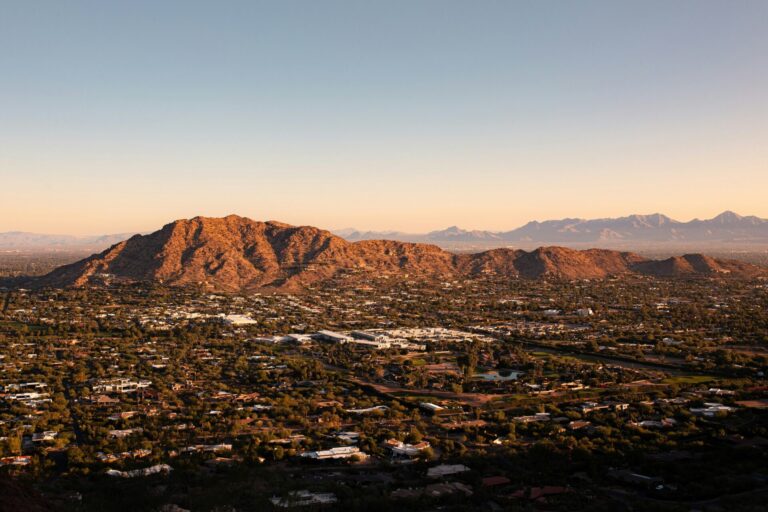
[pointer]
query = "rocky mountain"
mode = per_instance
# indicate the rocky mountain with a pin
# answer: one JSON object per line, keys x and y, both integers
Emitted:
{"x": 451, "y": 234}
{"x": 726, "y": 228}
{"x": 353, "y": 235}
{"x": 23, "y": 241}
{"x": 236, "y": 253}
{"x": 456, "y": 234}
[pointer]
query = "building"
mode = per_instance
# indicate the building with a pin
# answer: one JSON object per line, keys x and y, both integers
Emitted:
{"x": 405, "y": 449}
{"x": 362, "y": 335}
{"x": 380, "y": 345}
{"x": 366, "y": 410}
{"x": 340, "y": 452}
{"x": 238, "y": 320}
{"x": 333, "y": 337}
{"x": 446, "y": 469}
{"x": 119, "y": 385}
{"x": 301, "y": 339}
{"x": 119, "y": 434}
{"x": 304, "y": 498}
{"x": 430, "y": 407}
{"x": 47, "y": 436}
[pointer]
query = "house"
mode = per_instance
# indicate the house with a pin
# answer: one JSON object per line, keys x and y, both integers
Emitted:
{"x": 538, "y": 417}
{"x": 123, "y": 415}
{"x": 348, "y": 437}
{"x": 18, "y": 460}
{"x": 591, "y": 406}
{"x": 712, "y": 409}
{"x": 119, "y": 385}
{"x": 269, "y": 340}
{"x": 366, "y": 410}
{"x": 209, "y": 448}
{"x": 445, "y": 470}
{"x": 446, "y": 489}
{"x": 301, "y": 339}
{"x": 618, "y": 406}
{"x": 26, "y": 397}
{"x": 237, "y": 320}
{"x": 47, "y": 436}
{"x": 430, "y": 407}
{"x": 405, "y": 449}
{"x": 339, "y": 452}
{"x": 495, "y": 481}
{"x": 119, "y": 434}
{"x": 159, "y": 468}
{"x": 104, "y": 401}
{"x": 304, "y": 498}
{"x": 247, "y": 397}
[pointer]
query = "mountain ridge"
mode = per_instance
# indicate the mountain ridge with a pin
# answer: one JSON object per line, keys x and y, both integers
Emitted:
{"x": 632, "y": 231}
{"x": 235, "y": 253}
{"x": 727, "y": 227}
{"x": 27, "y": 241}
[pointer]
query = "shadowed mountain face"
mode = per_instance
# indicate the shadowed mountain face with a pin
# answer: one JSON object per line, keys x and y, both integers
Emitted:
{"x": 235, "y": 253}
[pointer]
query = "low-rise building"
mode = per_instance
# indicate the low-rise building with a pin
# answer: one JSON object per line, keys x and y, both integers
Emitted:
{"x": 339, "y": 452}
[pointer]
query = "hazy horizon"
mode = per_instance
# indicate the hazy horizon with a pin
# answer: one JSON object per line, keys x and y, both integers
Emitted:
{"x": 406, "y": 116}
{"x": 356, "y": 228}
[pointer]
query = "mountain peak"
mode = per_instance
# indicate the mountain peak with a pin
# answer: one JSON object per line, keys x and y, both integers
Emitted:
{"x": 728, "y": 217}
{"x": 653, "y": 220}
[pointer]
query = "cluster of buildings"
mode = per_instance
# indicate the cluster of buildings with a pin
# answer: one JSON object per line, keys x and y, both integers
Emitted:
{"x": 367, "y": 339}
{"x": 119, "y": 385}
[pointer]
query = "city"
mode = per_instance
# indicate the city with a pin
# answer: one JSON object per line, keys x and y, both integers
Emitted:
{"x": 477, "y": 393}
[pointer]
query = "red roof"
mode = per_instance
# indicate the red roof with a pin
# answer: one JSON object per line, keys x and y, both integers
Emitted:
{"x": 538, "y": 492}
{"x": 492, "y": 481}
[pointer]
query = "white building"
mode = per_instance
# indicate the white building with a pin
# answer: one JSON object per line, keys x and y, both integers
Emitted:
{"x": 303, "y": 499}
{"x": 408, "y": 450}
{"x": 238, "y": 320}
{"x": 120, "y": 385}
{"x": 333, "y": 337}
{"x": 428, "y": 406}
{"x": 301, "y": 339}
{"x": 47, "y": 436}
{"x": 339, "y": 452}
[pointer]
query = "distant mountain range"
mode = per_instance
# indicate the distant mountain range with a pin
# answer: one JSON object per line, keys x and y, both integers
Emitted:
{"x": 631, "y": 232}
{"x": 22, "y": 241}
{"x": 235, "y": 253}
{"x": 725, "y": 229}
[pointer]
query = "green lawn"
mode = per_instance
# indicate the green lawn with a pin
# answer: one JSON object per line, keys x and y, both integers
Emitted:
{"x": 688, "y": 379}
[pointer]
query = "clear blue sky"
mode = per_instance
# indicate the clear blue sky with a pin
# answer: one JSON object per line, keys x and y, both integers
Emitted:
{"x": 410, "y": 115}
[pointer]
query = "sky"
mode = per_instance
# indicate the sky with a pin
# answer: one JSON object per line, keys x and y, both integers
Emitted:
{"x": 405, "y": 115}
